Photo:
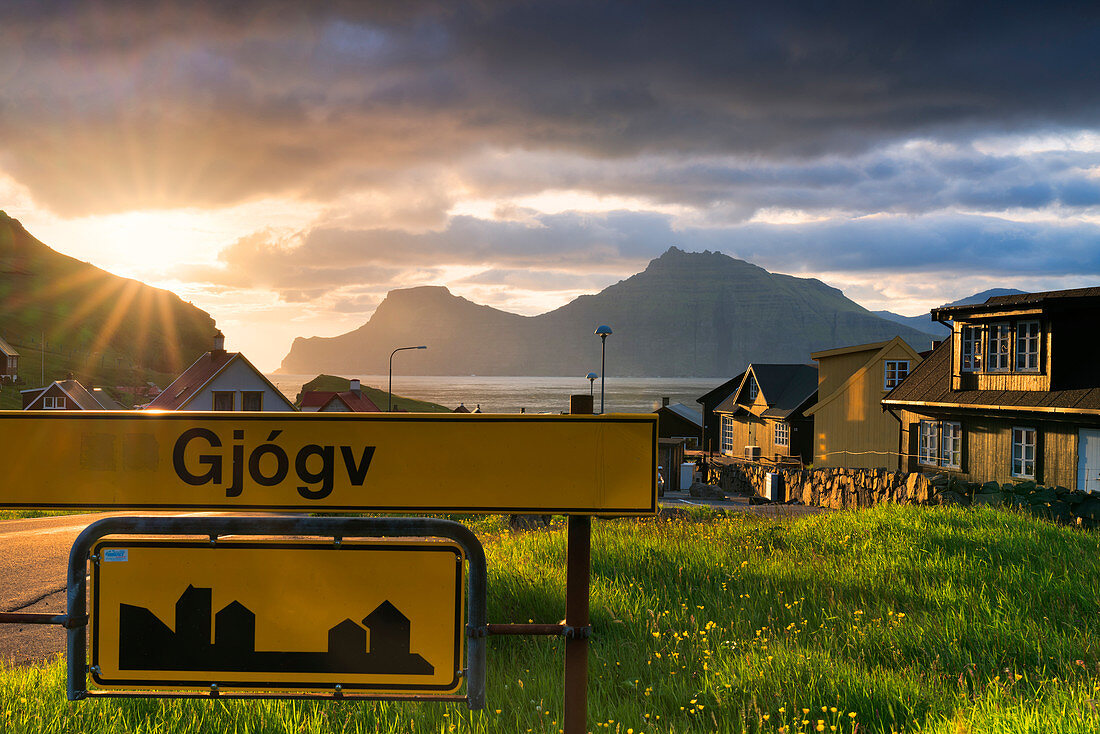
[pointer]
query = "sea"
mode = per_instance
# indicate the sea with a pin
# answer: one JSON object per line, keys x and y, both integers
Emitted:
{"x": 531, "y": 394}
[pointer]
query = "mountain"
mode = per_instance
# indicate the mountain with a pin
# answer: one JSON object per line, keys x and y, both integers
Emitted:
{"x": 925, "y": 323}
{"x": 95, "y": 324}
{"x": 687, "y": 314}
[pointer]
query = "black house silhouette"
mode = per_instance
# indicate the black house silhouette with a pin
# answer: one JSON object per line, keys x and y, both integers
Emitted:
{"x": 146, "y": 643}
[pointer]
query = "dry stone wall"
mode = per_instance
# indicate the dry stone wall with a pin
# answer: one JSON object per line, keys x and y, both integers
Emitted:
{"x": 840, "y": 488}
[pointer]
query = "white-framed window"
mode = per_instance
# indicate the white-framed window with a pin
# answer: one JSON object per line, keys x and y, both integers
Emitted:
{"x": 752, "y": 388}
{"x": 53, "y": 403}
{"x": 1000, "y": 348}
{"x": 928, "y": 449}
{"x": 971, "y": 348}
{"x": 727, "y": 434}
{"x": 951, "y": 444}
{"x": 1027, "y": 346}
{"x": 782, "y": 434}
{"x": 1024, "y": 442}
{"x": 940, "y": 444}
{"x": 894, "y": 372}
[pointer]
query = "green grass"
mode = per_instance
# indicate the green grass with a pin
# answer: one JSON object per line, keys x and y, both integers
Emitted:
{"x": 899, "y": 618}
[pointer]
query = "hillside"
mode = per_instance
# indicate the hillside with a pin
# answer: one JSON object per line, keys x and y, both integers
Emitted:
{"x": 924, "y": 322}
{"x": 65, "y": 315}
{"x": 687, "y": 314}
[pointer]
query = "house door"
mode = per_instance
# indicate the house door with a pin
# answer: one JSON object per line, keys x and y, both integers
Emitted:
{"x": 752, "y": 434}
{"x": 1088, "y": 460}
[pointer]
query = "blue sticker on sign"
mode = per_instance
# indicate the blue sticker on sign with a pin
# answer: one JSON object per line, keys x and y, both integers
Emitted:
{"x": 116, "y": 554}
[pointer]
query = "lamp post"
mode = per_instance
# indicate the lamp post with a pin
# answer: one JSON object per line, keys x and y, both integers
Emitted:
{"x": 591, "y": 379}
{"x": 389, "y": 399}
{"x": 603, "y": 331}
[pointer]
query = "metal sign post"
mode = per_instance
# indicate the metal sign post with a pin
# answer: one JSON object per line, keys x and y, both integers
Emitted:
{"x": 231, "y": 671}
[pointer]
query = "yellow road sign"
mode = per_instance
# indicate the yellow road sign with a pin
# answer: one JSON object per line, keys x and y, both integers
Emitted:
{"x": 381, "y": 615}
{"x": 332, "y": 462}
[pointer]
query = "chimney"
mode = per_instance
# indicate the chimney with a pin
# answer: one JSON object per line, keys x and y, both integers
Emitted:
{"x": 355, "y": 386}
{"x": 664, "y": 402}
{"x": 219, "y": 344}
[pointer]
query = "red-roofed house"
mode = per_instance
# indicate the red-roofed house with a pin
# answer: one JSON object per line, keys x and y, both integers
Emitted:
{"x": 221, "y": 380}
{"x": 349, "y": 401}
{"x": 312, "y": 400}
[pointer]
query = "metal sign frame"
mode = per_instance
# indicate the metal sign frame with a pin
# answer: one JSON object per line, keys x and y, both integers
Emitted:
{"x": 330, "y": 527}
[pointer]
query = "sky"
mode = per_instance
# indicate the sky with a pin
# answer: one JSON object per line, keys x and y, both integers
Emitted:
{"x": 284, "y": 165}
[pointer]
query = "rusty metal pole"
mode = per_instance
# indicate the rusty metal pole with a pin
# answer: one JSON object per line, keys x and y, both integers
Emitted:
{"x": 577, "y": 580}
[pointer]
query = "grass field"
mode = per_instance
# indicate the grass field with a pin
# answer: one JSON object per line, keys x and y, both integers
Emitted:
{"x": 892, "y": 619}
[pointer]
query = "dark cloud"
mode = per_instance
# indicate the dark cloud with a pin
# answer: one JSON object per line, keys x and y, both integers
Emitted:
{"x": 111, "y": 106}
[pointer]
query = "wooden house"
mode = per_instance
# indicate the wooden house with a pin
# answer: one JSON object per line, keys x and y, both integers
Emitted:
{"x": 765, "y": 416}
{"x": 850, "y": 427}
{"x": 221, "y": 380}
{"x": 67, "y": 394}
{"x": 712, "y": 434}
{"x": 679, "y": 421}
{"x": 9, "y": 362}
{"x": 1014, "y": 394}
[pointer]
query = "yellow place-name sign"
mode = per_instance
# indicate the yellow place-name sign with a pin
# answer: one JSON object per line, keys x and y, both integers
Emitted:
{"x": 324, "y": 462}
{"x": 366, "y": 615}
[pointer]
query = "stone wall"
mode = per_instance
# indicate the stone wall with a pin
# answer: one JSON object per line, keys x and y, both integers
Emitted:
{"x": 840, "y": 488}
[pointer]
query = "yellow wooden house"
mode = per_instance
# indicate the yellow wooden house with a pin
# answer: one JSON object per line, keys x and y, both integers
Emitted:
{"x": 851, "y": 429}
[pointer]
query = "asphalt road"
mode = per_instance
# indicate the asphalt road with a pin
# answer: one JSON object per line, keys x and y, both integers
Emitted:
{"x": 34, "y": 559}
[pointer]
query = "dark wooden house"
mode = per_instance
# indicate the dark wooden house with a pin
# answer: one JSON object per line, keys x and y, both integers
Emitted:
{"x": 1013, "y": 395}
{"x": 765, "y": 416}
{"x": 679, "y": 421}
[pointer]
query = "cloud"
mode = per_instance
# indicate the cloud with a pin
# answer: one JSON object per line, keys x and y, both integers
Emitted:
{"x": 115, "y": 106}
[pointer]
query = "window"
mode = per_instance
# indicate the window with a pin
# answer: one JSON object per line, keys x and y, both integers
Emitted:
{"x": 896, "y": 371}
{"x": 727, "y": 434}
{"x": 940, "y": 444}
{"x": 53, "y": 403}
{"x": 1000, "y": 337}
{"x": 951, "y": 444}
{"x": 223, "y": 400}
{"x": 753, "y": 389}
{"x": 928, "y": 451}
{"x": 1023, "y": 452}
{"x": 782, "y": 434}
{"x": 252, "y": 401}
{"x": 971, "y": 348}
{"x": 1027, "y": 346}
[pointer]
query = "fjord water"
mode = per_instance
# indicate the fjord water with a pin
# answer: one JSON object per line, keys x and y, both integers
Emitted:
{"x": 533, "y": 394}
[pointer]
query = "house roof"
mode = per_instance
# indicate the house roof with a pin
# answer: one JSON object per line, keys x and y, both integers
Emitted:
{"x": 104, "y": 398}
{"x": 929, "y": 385}
{"x": 355, "y": 402}
{"x": 1071, "y": 297}
{"x": 785, "y": 387}
{"x": 722, "y": 391}
{"x": 316, "y": 398}
{"x": 204, "y": 369}
{"x": 879, "y": 351}
{"x": 461, "y": 409}
{"x": 74, "y": 391}
{"x": 6, "y": 349}
{"x": 688, "y": 414}
{"x": 190, "y": 382}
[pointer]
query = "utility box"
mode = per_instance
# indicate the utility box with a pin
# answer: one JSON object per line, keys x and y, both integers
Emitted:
{"x": 773, "y": 487}
{"x": 687, "y": 475}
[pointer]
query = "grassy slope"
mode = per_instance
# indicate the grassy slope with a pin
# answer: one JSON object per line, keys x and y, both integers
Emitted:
{"x": 379, "y": 397}
{"x": 943, "y": 620}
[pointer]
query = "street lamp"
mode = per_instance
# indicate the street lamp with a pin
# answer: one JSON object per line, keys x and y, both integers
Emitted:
{"x": 591, "y": 379}
{"x": 603, "y": 331}
{"x": 389, "y": 400}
